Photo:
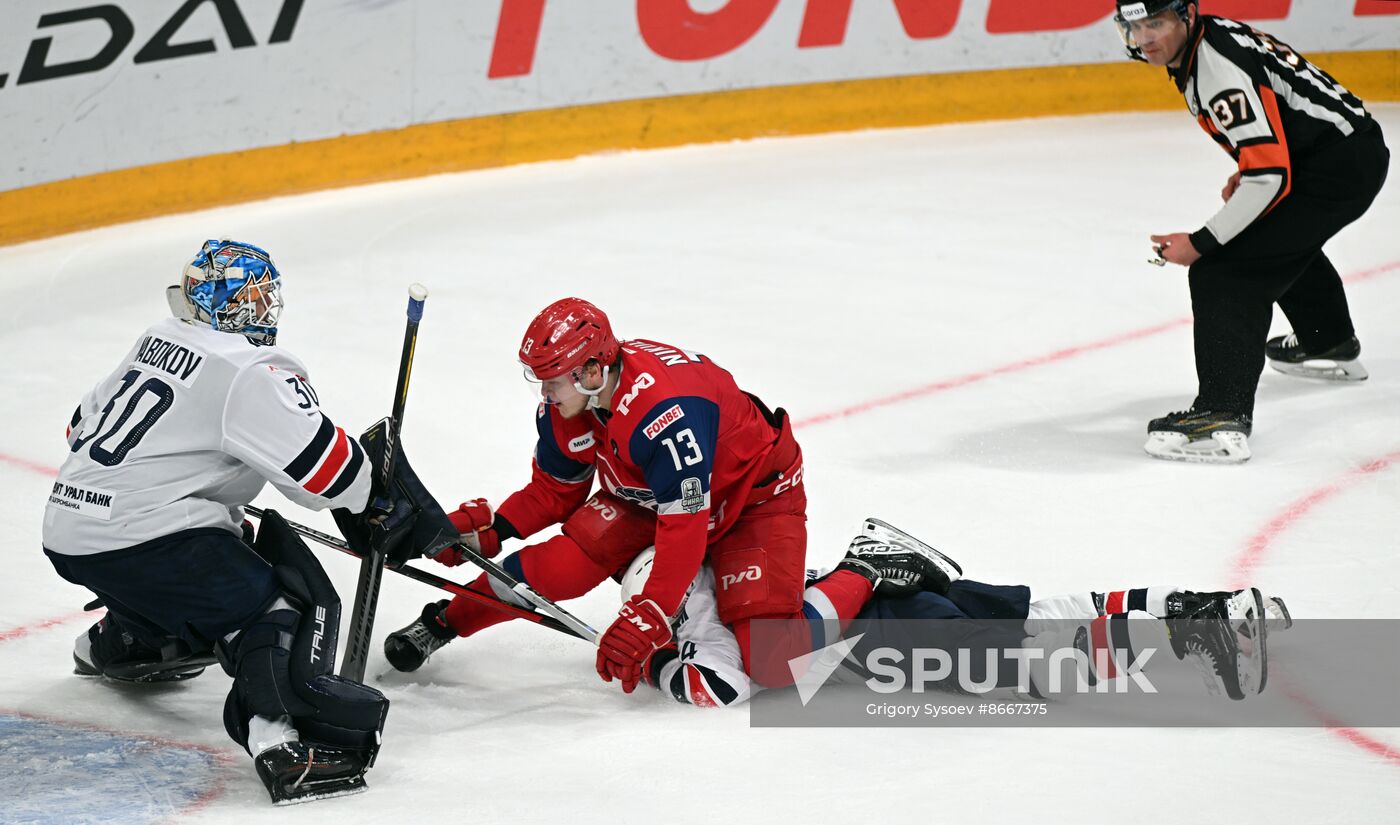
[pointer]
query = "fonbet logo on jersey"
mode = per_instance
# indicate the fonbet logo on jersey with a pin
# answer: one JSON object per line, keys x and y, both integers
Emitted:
{"x": 661, "y": 422}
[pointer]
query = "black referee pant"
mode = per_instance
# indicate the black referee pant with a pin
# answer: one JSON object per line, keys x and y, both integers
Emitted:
{"x": 1279, "y": 259}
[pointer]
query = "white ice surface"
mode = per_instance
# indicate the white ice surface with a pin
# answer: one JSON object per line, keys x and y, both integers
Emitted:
{"x": 825, "y": 273}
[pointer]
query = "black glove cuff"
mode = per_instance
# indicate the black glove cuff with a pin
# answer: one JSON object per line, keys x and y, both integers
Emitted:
{"x": 504, "y": 529}
{"x": 660, "y": 659}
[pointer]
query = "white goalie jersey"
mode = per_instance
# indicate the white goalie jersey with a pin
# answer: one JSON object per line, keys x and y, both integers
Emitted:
{"x": 185, "y": 432}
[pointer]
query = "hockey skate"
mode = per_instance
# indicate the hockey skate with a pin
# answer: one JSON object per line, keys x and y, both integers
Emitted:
{"x": 1337, "y": 363}
{"x": 1276, "y": 615}
{"x": 903, "y": 564}
{"x": 300, "y": 772}
{"x": 408, "y": 649}
{"x": 1200, "y": 436}
{"x": 1210, "y": 636}
{"x": 108, "y": 651}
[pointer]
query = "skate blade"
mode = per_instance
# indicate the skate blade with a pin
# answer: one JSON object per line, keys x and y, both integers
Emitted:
{"x": 136, "y": 675}
{"x": 342, "y": 787}
{"x": 881, "y": 530}
{"x": 1276, "y": 614}
{"x": 1247, "y": 613}
{"x": 1221, "y": 448}
{"x": 1322, "y": 370}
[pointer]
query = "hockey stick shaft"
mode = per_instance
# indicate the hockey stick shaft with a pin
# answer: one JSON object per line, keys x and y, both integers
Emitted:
{"x": 372, "y": 564}
{"x": 427, "y": 578}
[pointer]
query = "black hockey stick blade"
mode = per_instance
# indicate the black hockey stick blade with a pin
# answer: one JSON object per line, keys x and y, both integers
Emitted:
{"x": 488, "y": 599}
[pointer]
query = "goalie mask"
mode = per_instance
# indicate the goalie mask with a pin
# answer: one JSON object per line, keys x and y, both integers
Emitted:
{"x": 1133, "y": 14}
{"x": 232, "y": 287}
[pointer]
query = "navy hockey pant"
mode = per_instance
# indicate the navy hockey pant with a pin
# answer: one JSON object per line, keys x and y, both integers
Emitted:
{"x": 197, "y": 586}
{"x": 1279, "y": 258}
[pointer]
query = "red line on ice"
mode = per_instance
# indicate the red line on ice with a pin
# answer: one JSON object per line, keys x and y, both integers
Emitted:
{"x": 24, "y": 630}
{"x": 1258, "y": 546}
{"x": 1038, "y": 361}
{"x": 26, "y": 464}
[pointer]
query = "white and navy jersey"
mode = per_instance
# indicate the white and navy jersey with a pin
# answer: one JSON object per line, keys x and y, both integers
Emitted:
{"x": 1268, "y": 107}
{"x": 710, "y": 669}
{"x": 185, "y": 432}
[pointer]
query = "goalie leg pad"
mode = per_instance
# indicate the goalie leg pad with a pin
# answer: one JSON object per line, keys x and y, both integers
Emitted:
{"x": 283, "y": 663}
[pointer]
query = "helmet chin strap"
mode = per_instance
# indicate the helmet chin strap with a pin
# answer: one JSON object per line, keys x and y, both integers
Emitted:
{"x": 593, "y": 394}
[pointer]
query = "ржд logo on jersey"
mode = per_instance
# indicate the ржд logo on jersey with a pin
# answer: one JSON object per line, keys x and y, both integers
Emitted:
{"x": 643, "y": 381}
{"x": 752, "y": 573}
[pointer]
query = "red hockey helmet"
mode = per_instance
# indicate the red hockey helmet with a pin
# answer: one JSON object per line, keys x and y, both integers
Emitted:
{"x": 565, "y": 336}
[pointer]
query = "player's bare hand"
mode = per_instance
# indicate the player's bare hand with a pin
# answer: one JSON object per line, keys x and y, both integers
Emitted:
{"x": 1230, "y": 186}
{"x": 1175, "y": 248}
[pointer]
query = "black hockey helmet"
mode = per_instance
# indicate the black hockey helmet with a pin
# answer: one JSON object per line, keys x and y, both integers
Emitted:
{"x": 1130, "y": 11}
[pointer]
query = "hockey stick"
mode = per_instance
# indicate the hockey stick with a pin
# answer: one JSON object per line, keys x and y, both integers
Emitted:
{"x": 524, "y": 591}
{"x": 435, "y": 581}
{"x": 372, "y": 564}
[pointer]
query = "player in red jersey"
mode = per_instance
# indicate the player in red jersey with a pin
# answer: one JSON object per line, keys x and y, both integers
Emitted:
{"x": 686, "y": 461}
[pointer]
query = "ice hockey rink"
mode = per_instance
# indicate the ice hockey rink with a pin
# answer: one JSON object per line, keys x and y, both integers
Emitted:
{"x": 963, "y": 324}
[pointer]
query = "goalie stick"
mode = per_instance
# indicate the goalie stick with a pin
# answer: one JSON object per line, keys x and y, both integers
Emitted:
{"x": 574, "y": 627}
{"x": 372, "y": 563}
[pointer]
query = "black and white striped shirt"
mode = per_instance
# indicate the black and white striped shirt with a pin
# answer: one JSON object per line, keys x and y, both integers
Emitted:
{"x": 1268, "y": 107}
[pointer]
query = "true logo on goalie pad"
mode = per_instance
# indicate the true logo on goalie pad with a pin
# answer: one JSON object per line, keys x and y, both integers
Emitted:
{"x": 318, "y": 634}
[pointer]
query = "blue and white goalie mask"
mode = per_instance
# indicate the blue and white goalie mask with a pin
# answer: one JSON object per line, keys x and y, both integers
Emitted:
{"x": 232, "y": 287}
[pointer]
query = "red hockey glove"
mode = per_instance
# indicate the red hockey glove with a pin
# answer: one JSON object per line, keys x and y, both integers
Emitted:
{"x": 473, "y": 521}
{"x": 639, "y": 631}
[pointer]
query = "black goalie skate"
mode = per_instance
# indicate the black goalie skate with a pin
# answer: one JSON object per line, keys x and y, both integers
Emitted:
{"x": 901, "y": 564}
{"x": 1210, "y": 636}
{"x": 1336, "y": 363}
{"x": 299, "y": 772}
{"x": 1201, "y": 436}
{"x": 108, "y": 651}
{"x": 408, "y": 649}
